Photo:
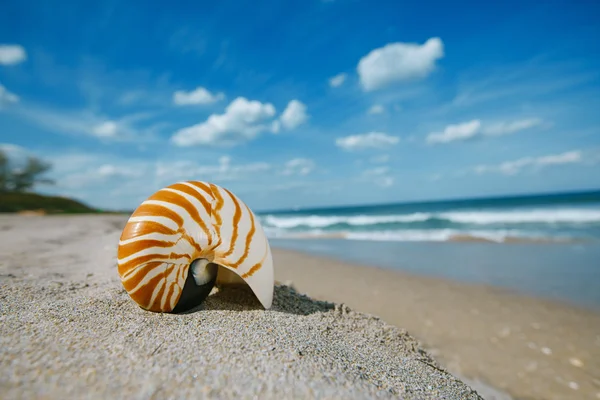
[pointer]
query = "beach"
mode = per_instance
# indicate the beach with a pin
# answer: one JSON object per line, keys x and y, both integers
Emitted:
{"x": 528, "y": 347}
{"x": 337, "y": 330}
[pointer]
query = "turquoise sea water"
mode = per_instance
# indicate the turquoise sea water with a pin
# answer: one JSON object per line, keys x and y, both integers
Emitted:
{"x": 417, "y": 238}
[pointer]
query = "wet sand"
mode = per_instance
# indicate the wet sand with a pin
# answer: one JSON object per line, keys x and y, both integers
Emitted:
{"x": 528, "y": 347}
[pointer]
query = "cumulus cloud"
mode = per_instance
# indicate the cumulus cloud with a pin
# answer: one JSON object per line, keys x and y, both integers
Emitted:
{"x": 337, "y": 80}
{"x": 376, "y": 109}
{"x": 397, "y": 62}
{"x": 366, "y": 140}
{"x": 7, "y": 97}
{"x": 514, "y": 167}
{"x": 298, "y": 166}
{"x": 293, "y": 116}
{"x": 199, "y": 95}
{"x": 243, "y": 120}
{"x": 475, "y": 128}
{"x": 12, "y": 54}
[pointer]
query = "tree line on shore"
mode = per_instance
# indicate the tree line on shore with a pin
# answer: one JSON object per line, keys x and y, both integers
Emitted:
{"x": 20, "y": 179}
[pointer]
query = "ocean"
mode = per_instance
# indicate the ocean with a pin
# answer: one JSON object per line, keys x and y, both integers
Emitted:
{"x": 544, "y": 245}
{"x": 564, "y": 217}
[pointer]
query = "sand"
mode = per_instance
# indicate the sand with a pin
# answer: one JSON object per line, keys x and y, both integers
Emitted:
{"x": 523, "y": 347}
{"x": 69, "y": 330}
{"x": 363, "y": 332}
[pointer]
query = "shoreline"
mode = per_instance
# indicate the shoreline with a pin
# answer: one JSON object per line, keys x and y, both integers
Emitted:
{"x": 526, "y": 346}
{"x": 441, "y": 280}
{"x": 453, "y": 238}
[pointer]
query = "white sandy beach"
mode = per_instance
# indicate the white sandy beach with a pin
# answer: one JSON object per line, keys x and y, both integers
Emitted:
{"x": 70, "y": 331}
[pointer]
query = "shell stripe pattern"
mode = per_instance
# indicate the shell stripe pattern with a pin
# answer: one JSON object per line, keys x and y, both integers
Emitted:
{"x": 181, "y": 223}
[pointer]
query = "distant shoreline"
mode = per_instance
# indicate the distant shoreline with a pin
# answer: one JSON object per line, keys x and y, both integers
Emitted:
{"x": 464, "y": 238}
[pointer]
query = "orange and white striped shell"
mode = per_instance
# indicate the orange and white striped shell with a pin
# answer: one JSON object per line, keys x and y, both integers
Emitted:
{"x": 187, "y": 238}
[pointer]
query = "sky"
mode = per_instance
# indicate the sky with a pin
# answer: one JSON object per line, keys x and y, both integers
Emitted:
{"x": 303, "y": 103}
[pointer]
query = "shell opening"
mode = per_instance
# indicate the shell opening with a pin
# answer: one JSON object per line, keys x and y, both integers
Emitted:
{"x": 198, "y": 284}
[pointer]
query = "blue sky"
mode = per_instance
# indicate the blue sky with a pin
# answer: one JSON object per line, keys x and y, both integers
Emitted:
{"x": 303, "y": 103}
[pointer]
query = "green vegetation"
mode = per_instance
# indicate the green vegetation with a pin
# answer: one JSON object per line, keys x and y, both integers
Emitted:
{"x": 18, "y": 202}
{"x": 16, "y": 184}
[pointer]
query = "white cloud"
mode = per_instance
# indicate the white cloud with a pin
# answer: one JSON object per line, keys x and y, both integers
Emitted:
{"x": 475, "y": 128}
{"x": 275, "y": 126}
{"x": 298, "y": 166}
{"x": 564, "y": 158}
{"x": 105, "y": 129}
{"x": 87, "y": 122}
{"x": 243, "y": 120}
{"x": 376, "y": 109}
{"x": 504, "y": 128}
{"x": 7, "y": 97}
{"x": 199, "y": 95}
{"x": 453, "y": 133}
{"x": 11, "y": 54}
{"x": 396, "y": 62}
{"x": 293, "y": 116}
{"x": 367, "y": 140}
{"x": 515, "y": 166}
{"x": 337, "y": 80}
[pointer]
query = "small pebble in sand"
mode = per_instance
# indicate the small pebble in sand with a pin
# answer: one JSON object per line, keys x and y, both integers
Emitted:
{"x": 576, "y": 362}
{"x": 573, "y": 385}
{"x": 546, "y": 350}
{"x": 535, "y": 325}
{"x": 531, "y": 345}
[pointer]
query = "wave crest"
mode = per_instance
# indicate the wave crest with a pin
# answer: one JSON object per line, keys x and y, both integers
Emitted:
{"x": 513, "y": 217}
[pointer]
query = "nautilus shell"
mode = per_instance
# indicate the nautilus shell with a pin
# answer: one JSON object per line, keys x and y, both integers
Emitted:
{"x": 185, "y": 239}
